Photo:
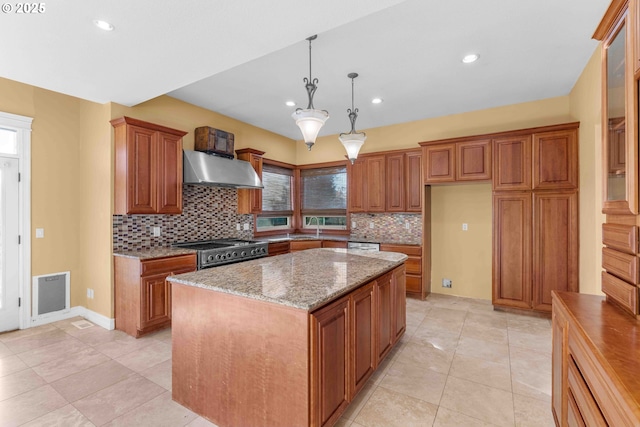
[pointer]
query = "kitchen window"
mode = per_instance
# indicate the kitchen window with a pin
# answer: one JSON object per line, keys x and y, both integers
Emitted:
{"x": 277, "y": 204}
{"x": 323, "y": 195}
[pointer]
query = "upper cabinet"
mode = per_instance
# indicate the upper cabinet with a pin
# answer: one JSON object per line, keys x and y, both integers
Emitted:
{"x": 620, "y": 62}
{"x": 148, "y": 168}
{"x": 250, "y": 201}
{"x": 512, "y": 163}
{"x": 386, "y": 182}
{"x": 457, "y": 160}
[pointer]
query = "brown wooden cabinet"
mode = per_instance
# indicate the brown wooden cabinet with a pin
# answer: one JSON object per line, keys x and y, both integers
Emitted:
{"x": 278, "y": 248}
{"x": 594, "y": 363}
{"x": 439, "y": 163}
{"x": 413, "y": 181}
{"x": 473, "y": 160}
{"x": 395, "y": 182}
{"x": 414, "y": 278}
{"x": 142, "y": 293}
{"x": 357, "y": 179}
{"x": 384, "y": 308}
{"x": 555, "y": 246}
{"x": 339, "y": 244}
{"x": 250, "y": 201}
{"x": 301, "y": 245}
{"x": 363, "y": 356}
{"x": 375, "y": 184}
{"x": 512, "y": 216}
{"x": 398, "y": 285}
{"x": 330, "y": 337}
{"x": 555, "y": 160}
{"x": 148, "y": 168}
{"x": 512, "y": 163}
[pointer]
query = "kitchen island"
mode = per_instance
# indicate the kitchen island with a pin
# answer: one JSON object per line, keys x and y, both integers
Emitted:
{"x": 287, "y": 340}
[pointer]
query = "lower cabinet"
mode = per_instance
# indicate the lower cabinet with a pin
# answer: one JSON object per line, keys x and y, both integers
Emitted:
{"x": 594, "y": 361}
{"x": 414, "y": 284}
{"x": 349, "y": 339}
{"x": 142, "y": 293}
{"x": 301, "y": 245}
{"x": 278, "y": 248}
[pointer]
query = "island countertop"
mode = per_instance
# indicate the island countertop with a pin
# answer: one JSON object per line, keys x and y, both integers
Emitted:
{"x": 305, "y": 280}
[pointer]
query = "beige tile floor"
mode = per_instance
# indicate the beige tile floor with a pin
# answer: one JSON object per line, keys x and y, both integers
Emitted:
{"x": 459, "y": 364}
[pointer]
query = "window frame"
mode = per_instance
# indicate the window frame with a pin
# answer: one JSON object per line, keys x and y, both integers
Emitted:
{"x": 291, "y": 215}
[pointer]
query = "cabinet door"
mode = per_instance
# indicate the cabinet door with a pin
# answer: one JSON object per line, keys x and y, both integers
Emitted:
{"x": 375, "y": 184}
{"x": 439, "y": 163}
{"x": 555, "y": 160}
{"x": 256, "y": 195}
{"x": 329, "y": 359}
{"x": 399, "y": 287}
{"x": 414, "y": 182}
{"x": 142, "y": 165}
{"x": 473, "y": 160}
{"x": 512, "y": 163}
{"x": 395, "y": 190}
{"x": 555, "y": 248}
{"x": 250, "y": 201}
{"x": 512, "y": 249}
{"x": 363, "y": 356}
{"x": 559, "y": 368}
{"x": 301, "y": 245}
{"x": 169, "y": 173}
{"x": 356, "y": 177}
{"x": 155, "y": 306}
{"x": 384, "y": 323}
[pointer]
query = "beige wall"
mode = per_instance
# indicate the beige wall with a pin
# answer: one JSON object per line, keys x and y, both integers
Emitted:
{"x": 586, "y": 106}
{"x": 462, "y": 256}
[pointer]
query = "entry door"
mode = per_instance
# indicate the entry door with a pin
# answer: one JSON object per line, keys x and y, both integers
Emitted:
{"x": 9, "y": 247}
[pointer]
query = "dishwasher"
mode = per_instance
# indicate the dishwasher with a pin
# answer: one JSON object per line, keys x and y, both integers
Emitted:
{"x": 364, "y": 246}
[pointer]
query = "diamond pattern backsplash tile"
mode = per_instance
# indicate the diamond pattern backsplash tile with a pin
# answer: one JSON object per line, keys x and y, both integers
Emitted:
{"x": 207, "y": 213}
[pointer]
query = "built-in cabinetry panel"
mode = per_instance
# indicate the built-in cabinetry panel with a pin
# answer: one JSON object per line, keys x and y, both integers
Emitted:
{"x": 148, "y": 168}
{"x": 512, "y": 163}
{"x": 467, "y": 159}
{"x": 142, "y": 293}
{"x": 414, "y": 266}
{"x": 250, "y": 201}
{"x": 386, "y": 182}
{"x": 594, "y": 363}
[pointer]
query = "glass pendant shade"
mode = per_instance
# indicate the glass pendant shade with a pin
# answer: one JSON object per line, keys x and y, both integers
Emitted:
{"x": 352, "y": 143}
{"x": 310, "y": 121}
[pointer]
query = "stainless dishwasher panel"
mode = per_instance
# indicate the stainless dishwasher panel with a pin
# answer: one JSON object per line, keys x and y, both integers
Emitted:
{"x": 364, "y": 246}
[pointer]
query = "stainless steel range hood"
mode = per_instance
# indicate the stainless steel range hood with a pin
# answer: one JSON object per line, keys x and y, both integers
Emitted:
{"x": 206, "y": 169}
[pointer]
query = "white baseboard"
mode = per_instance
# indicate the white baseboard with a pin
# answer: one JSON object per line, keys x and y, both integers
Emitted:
{"x": 76, "y": 311}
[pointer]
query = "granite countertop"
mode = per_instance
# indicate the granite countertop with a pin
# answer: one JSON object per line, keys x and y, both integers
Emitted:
{"x": 338, "y": 238}
{"x": 305, "y": 280}
{"x": 161, "y": 252}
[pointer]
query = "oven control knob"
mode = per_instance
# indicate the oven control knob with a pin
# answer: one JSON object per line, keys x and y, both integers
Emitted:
{"x": 228, "y": 255}
{"x": 253, "y": 251}
{"x": 243, "y": 253}
{"x": 234, "y": 254}
{"x": 210, "y": 258}
{"x": 218, "y": 257}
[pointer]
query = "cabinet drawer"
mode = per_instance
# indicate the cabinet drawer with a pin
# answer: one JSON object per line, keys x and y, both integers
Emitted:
{"x": 620, "y": 264}
{"x": 585, "y": 403}
{"x": 278, "y": 248}
{"x": 625, "y": 294}
{"x": 621, "y": 237}
{"x": 300, "y": 245}
{"x": 403, "y": 249}
{"x": 168, "y": 265}
{"x": 334, "y": 244}
{"x": 414, "y": 265}
{"x": 574, "y": 419}
{"x": 414, "y": 283}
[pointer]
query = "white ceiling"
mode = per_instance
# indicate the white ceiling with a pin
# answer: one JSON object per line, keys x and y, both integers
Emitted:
{"x": 246, "y": 58}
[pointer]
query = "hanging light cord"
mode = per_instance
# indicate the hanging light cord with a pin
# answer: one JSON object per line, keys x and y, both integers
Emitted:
{"x": 353, "y": 112}
{"x": 310, "y": 83}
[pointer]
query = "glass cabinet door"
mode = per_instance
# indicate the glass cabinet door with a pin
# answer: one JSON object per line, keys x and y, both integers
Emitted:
{"x": 619, "y": 154}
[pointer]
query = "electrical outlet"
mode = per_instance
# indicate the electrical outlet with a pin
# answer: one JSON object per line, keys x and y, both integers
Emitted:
{"x": 353, "y": 224}
{"x": 446, "y": 283}
{"x": 156, "y": 232}
{"x": 371, "y": 224}
{"x": 465, "y": 226}
{"x": 39, "y": 233}
{"x": 238, "y": 227}
{"x": 406, "y": 225}
{"x": 89, "y": 293}
{"x": 246, "y": 226}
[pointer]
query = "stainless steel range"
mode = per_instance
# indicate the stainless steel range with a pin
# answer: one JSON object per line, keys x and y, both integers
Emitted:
{"x": 225, "y": 251}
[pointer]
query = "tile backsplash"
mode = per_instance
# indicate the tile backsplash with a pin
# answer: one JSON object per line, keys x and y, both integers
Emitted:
{"x": 207, "y": 213}
{"x": 387, "y": 227}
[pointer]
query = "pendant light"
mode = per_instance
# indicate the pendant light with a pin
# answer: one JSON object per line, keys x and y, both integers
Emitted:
{"x": 310, "y": 120}
{"x": 353, "y": 140}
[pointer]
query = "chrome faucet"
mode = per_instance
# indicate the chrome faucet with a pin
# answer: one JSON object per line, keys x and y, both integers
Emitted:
{"x": 317, "y": 225}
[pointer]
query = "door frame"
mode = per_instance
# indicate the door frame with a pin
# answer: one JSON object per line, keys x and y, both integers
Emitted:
{"x": 22, "y": 125}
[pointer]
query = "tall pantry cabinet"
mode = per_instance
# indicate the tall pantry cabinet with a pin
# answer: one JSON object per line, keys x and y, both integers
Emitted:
{"x": 535, "y": 216}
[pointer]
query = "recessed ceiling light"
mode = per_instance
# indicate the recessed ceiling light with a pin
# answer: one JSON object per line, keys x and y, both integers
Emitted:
{"x": 103, "y": 25}
{"x": 468, "y": 59}
{"x": 376, "y": 101}
{"x": 290, "y": 104}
